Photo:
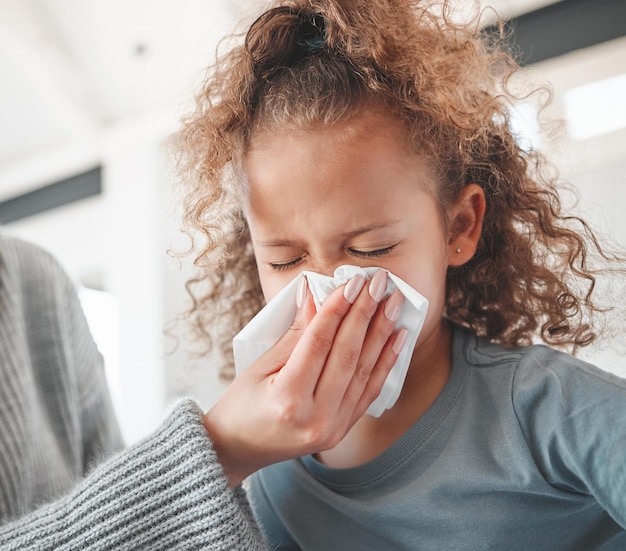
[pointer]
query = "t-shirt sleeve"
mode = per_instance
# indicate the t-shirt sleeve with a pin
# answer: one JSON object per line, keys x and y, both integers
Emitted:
{"x": 573, "y": 416}
{"x": 167, "y": 492}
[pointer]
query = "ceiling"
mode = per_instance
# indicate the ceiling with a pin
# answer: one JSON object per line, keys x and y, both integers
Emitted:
{"x": 74, "y": 69}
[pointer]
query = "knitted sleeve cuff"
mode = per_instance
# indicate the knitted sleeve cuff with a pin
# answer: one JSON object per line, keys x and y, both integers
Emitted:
{"x": 167, "y": 492}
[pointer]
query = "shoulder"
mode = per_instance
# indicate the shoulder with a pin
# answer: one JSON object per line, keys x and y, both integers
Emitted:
{"x": 535, "y": 364}
{"x": 539, "y": 381}
{"x": 558, "y": 398}
{"x": 23, "y": 257}
{"x": 27, "y": 269}
{"x": 562, "y": 407}
{"x": 542, "y": 369}
{"x": 34, "y": 287}
{"x": 571, "y": 414}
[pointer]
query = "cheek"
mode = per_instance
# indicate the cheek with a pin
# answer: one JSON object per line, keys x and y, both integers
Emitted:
{"x": 425, "y": 271}
{"x": 266, "y": 276}
{"x": 434, "y": 289}
{"x": 273, "y": 282}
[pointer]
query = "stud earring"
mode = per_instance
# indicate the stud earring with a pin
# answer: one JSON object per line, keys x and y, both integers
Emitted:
{"x": 458, "y": 251}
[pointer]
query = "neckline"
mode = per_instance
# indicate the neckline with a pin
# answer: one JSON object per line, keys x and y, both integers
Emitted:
{"x": 403, "y": 448}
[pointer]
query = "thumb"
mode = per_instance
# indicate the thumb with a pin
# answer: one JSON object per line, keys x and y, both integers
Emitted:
{"x": 305, "y": 310}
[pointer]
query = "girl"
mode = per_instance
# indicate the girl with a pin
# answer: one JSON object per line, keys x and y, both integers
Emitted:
{"x": 375, "y": 133}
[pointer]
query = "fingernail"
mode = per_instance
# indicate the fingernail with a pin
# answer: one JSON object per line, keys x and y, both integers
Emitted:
{"x": 353, "y": 288}
{"x": 399, "y": 341}
{"x": 301, "y": 293}
{"x": 378, "y": 285}
{"x": 394, "y": 306}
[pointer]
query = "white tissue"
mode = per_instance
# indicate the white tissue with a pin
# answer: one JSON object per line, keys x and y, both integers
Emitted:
{"x": 276, "y": 317}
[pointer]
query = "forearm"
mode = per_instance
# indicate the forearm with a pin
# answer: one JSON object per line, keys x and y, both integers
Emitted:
{"x": 167, "y": 492}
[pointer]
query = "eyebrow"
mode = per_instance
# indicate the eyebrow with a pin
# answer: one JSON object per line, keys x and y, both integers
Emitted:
{"x": 343, "y": 236}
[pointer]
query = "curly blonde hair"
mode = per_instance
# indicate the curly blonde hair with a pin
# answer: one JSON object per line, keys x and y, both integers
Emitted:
{"x": 311, "y": 62}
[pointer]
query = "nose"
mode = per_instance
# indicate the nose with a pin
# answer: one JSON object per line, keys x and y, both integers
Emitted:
{"x": 325, "y": 268}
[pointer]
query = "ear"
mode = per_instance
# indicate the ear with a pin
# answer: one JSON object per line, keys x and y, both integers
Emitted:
{"x": 465, "y": 223}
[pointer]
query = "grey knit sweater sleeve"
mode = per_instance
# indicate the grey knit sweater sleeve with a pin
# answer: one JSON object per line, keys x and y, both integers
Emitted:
{"x": 167, "y": 492}
{"x": 56, "y": 423}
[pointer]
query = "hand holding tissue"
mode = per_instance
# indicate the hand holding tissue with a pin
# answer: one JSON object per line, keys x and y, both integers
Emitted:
{"x": 275, "y": 318}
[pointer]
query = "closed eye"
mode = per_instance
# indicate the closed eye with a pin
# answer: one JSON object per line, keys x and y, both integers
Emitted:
{"x": 372, "y": 254}
{"x": 278, "y": 266}
{"x": 376, "y": 253}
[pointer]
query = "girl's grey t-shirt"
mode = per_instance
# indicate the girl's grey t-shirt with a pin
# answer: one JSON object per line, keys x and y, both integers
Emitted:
{"x": 524, "y": 448}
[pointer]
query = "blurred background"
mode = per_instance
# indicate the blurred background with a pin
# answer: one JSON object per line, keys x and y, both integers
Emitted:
{"x": 91, "y": 89}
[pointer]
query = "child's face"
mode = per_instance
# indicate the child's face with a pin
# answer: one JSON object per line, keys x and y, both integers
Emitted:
{"x": 348, "y": 194}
